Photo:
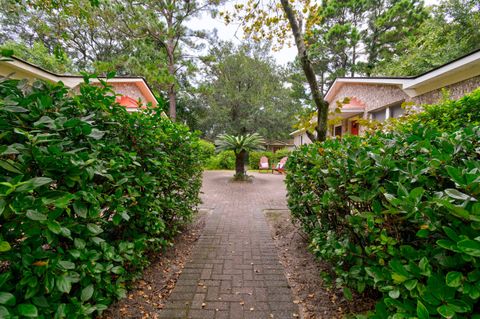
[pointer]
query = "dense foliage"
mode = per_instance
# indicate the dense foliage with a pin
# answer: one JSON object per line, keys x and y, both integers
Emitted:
{"x": 87, "y": 191}
{"x": 222, "y": 160}
{"x": 397, "y": 212}
{"x": 451, "y": 31}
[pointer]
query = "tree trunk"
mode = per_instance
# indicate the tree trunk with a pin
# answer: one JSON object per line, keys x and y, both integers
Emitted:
{"x": 172, "y": 93}
{"x": 322, "y": 105}
{"x": 240, "y": 164}
{"x": 172, "y": 102}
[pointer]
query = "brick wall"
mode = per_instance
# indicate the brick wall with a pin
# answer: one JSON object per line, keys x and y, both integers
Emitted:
{"x": 377, "y": 96}
{"x": 456, "y": 91}
{"x": 374, "y": 96}
{"x": 128, "y": 89}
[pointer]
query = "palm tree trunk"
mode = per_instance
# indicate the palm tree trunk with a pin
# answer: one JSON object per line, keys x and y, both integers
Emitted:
{"x": 240, "y": 164}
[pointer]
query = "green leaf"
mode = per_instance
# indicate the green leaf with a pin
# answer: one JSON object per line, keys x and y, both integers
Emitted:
{"x": 446, "y": 311}
{"x": 455, "y": 194}
{"x": 87, "y": 293}
{"x": 454, "y": 279}
{"x": 410, "y": 284}
{"x": 34, "y": 215}
{"x": 422, "y": 311}
{"x": 14, "y": 109}
{"x": 79, "y": 243}
{"x": 63, "y": 284}
{"x": 65, "y": 264}
{"x": 4, "y": 313}
{"x": 94, "y": 229}
{"x": 7, "y": 298}
{"x": 3, "y": 203}
{"x": 54, "y": 227}
{"x": 347, "y": 293}
{"x": 96, "y": 134}
{"x": 80, "y": 209}
{"x": 460, "y": 306}
{"x": 28, "y": 310}
{"x": 4, "y": 246}
{"x": 470, "y": 247}
{"x": 447, "y": 244}
{"x": 33, "y": 183}
{"x": 394, "y": 294}
{"x": 9, "y": 167}
{"x": 117, "y": 270}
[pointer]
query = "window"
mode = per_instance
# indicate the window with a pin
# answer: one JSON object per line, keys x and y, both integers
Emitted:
{"x": 396, "y": 110}
{"x": 379, "y": 116}
{"x": 337, "y": 131}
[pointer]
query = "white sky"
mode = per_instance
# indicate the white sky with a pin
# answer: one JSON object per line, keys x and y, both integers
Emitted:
{"x": 233, "y": 33}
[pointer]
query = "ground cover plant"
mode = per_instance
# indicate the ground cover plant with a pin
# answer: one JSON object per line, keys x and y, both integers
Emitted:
{"x": 397, "y": 212}
{"x": 87, "y": 191}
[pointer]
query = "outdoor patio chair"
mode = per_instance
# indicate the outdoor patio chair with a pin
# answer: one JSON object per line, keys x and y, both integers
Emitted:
{"x": 280, "y": 166}
{"x": 263, "y": 165}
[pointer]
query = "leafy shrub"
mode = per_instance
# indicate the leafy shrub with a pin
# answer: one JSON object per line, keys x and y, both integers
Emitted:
{"x": 207, "y": 150}
{"x": 223, "y": 160}
{"x": 398, "y": 213}
{"x": 87, "y": 191}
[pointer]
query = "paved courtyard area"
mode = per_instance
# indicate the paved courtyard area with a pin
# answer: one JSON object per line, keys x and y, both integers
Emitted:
{"x": 234, "y": 271}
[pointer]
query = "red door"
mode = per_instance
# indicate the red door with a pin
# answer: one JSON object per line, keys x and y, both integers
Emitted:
{"x": 354, "y": 129}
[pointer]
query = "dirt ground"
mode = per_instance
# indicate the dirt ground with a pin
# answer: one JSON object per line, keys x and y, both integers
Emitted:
{"x": 316, "y": 300}
{"x": 148, "y": 294}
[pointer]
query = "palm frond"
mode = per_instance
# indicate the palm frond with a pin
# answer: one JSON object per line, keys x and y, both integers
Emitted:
{"x": 248, "y": 143}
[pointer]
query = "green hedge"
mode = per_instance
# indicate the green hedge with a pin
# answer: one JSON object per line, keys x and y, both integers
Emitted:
{"x": 397, "y": 213}
{"x": 222, "y": 160}
{"x": 87, "y": 191}
{"x": 207, "y": 151}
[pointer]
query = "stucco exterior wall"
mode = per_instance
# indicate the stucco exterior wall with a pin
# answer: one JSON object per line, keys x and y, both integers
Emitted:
{"x": 301, "y": 139}
{"x": 455, "y": 91}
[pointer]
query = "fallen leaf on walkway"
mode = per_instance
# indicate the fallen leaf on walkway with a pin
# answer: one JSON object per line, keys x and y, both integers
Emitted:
{"x": 242, "y": 302}
{"x": 251, "y": 309}
{"x": 204, "y": 305}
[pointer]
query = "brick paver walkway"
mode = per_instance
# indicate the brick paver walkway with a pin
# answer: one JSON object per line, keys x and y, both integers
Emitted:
{"x": 234, "y": 270}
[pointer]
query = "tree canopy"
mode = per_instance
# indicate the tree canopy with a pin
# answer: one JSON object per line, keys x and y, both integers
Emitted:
{"x": 154, "y": 39}
{"x": 245, "y": 92}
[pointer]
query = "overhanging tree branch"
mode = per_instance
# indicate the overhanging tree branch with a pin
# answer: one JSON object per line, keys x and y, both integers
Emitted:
{"x": 321, "y": 104}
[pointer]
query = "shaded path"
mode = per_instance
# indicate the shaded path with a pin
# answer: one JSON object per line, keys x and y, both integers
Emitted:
{"x": 234, "y": 270}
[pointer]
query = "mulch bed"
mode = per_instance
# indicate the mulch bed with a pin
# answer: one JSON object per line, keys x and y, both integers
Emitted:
{"x": 316, "y": 299}
{"x": 148, "y": 294}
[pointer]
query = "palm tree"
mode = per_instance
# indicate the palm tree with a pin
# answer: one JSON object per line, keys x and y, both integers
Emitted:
{"x": 240, "y": 145}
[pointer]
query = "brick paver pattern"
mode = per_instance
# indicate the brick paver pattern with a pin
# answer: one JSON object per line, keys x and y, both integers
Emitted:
{"x": 234, "y": 271}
